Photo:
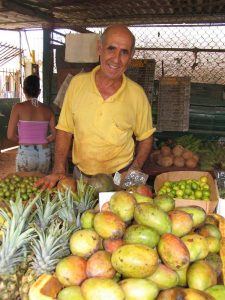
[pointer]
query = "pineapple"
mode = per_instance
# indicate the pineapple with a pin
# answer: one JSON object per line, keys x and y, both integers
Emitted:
{"x": 84, "y": 198}
{"x": 13, "y": 251}
{"x": 53, "y": 227}
{"x": 55, "y": 221}
{"x": 50, "y": 245}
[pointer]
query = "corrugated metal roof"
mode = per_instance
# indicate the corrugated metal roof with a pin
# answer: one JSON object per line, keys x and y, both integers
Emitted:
{"x": 79, "y": 14}
{"x": 8, "y": 52}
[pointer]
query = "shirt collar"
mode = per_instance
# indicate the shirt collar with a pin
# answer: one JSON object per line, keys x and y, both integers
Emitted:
{"x": 124, "y": 81}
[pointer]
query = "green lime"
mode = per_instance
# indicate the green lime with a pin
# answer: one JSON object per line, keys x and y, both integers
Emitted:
{"x": 194, "y": 186}
{"x": 198, "y": 194}
{"x": 203, "y": 179}
{"x": 179, "y": 193}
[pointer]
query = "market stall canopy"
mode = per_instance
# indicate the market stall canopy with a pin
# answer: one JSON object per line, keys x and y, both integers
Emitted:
{"x": 80, "y": 14}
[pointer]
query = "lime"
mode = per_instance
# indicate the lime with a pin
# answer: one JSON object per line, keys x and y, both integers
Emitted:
{"x": 179, "y": 193}
{"x": 194, "y": 186}
{"x": 206, "y": 187}
{"x": 167, "y": 183}
{"x": 206, "y": 193}
{"x": 187, "y": 191}
{"x": 203, "y": 179}
{"x": 198, "y": 194}
{"x": 182, "y": 186}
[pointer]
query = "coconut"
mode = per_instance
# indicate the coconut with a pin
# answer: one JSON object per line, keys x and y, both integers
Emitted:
{"x": 102, "y": 183}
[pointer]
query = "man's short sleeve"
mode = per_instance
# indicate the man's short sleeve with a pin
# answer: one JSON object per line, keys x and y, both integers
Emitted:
{"x": 143, "y": 128}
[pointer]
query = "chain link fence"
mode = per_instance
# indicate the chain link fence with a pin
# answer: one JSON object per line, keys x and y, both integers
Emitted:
{"x": 197, "y": 50}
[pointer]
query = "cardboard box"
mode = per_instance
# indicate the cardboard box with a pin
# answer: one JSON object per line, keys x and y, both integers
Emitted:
{"x": 208, "y": 206}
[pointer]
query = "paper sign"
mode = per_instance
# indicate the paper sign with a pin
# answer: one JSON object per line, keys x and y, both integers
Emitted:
{"x": 104, "y": 197}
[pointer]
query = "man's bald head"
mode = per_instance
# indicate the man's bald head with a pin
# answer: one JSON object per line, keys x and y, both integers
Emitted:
{"x": 121, "y": 28}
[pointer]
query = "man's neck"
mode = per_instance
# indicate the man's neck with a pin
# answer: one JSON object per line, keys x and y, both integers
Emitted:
{"x": 107, "y": 86}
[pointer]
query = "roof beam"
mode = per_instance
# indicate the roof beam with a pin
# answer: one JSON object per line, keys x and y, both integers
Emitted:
{"x": 24, "y": 10}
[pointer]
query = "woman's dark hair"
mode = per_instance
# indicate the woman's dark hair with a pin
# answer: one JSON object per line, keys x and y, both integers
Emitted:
{"x": 31, "y": 86}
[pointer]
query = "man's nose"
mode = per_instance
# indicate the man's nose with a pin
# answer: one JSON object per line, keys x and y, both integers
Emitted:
{"x": 116, "y": 56}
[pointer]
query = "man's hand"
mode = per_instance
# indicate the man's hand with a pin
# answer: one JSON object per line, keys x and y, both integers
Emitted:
{"x": 49, "y": 181}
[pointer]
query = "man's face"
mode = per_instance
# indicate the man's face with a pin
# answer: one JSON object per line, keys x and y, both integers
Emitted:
{"x": 115, "y": 53}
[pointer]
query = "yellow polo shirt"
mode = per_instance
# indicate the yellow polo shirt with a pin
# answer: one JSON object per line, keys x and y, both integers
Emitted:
{"x": 103, "y": 129}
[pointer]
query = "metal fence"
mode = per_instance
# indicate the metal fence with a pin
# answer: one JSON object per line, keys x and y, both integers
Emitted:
{"x": 197, "y": 50}
{"x": 193, "y": 50}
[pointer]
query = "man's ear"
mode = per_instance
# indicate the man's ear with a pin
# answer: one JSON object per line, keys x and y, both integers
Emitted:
{"x": 99, "y": 47}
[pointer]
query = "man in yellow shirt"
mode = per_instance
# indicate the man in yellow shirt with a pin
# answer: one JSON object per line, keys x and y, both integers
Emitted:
{"x": 103, "y": 110}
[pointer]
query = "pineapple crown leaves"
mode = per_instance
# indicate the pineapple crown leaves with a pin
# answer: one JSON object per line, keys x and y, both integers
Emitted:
{"x": 50, "y": 246}
{"x": 47, "y": 209}
{"x": 84, "y": 198}
{"x": 14, "y": 242}
{"x": 67, "y": 211}
{"x": 19, "y": 210}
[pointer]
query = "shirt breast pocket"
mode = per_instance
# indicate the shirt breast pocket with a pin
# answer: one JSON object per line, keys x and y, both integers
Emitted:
{"x": 118, "y": 135}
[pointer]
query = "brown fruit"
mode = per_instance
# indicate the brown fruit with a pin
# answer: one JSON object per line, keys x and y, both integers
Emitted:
{"x": 67, "y": 183}
{"x": 177, "y": 150}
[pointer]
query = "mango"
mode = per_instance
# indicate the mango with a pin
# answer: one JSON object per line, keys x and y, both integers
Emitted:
{"x": 182, "y": 277}
{"x": 198, "y": 214}
{"x": 142, "y": 198}
{"x": 193, "y": 294}
{"x": 215, "y": 262}
{"x": 182, "y": 222}
{"x": 173, "y": 252}
{"x": 137, "y": 288}
{"x": 171, "y": 294}
{"x": 135, "y": 261}
{"x": 197, "y": 246}
{"x": 122, "y": 204}
{"x": 209, "y": 230}
{"x": 165, "y": 202}
{"x": 200, "y": 275}
{"x": 217, "y": 291}
{"x": 164, "y": 277}
{"x": 101, "y": 289}
{"x": 213, "y": 244}
{"x": 141, "y": 234}
{"x": 152, "y": 216}
{"x": 109, "y": 225}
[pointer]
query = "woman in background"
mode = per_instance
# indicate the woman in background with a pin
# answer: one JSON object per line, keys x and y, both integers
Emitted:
{"x": 32, "y": 126}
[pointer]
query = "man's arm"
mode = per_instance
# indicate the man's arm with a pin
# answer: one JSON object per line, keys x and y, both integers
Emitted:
{"x": 142, "y": 152}
{"x": 62, "y": 147}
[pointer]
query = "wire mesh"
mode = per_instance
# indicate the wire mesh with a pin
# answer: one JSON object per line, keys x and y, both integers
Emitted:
{"x": 193, "y": 50}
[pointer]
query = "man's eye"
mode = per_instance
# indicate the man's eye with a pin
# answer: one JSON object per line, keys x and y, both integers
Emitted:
{"x": 111, "y": 48}
{"x": 125, "y": 52}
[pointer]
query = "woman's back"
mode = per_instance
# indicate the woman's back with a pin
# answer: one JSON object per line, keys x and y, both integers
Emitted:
{"x": 32, "y": 126}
